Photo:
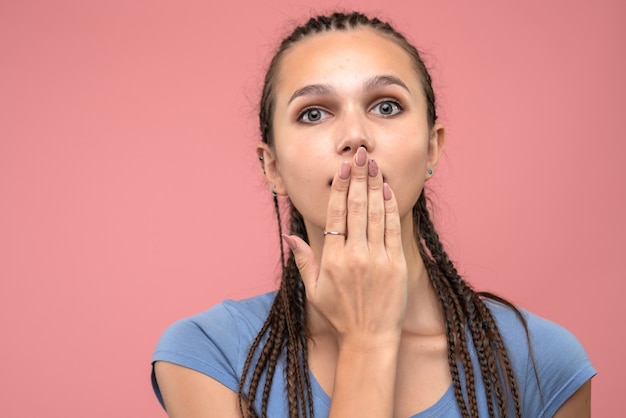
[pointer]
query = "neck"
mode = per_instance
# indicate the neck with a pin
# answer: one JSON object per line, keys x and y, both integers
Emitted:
{"x": 424, "y": 315}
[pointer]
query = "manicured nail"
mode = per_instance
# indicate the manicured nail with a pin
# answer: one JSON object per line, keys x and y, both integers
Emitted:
{"x": 360, "y": 158}
{"x": 386, "y": 191}
{"x": 372, "y": 168}
{"x": 344, "y": 170}
{"x": 290, "y": 242}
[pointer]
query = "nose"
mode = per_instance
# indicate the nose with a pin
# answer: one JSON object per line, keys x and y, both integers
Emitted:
{"x": 353, "y": 133}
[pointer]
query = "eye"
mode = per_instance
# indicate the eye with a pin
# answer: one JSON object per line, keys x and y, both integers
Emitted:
{"x": 387, "y": 108}
{"x": 312, "y": 115}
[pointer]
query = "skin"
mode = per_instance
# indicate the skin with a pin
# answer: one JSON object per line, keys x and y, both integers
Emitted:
{"x": 352, "y": 149}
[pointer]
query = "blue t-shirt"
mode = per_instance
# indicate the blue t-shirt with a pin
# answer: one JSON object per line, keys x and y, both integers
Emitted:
{"x": 216, "y": 343}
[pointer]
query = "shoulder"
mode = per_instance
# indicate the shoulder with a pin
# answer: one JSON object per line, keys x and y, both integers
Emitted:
{"x": 228, "y": 322}
{"x": 546, "y": 338}
{"x": 549, "y": 361}
{"x": 244, "y": 316}
{"x": 215, "y": 342}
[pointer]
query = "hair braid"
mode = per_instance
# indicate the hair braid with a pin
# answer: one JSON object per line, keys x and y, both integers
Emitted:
{"x": 274, "y": 341}
{"x": 497, "y": 374}
{"x": 492, "y": 358}
{"x": 298, "y": 301}
{"x": 271, "y": 367}
{"x": 294, "y": 373}
{"x": 448, "y": 282}
{"x": 286, "y": 333}
{"x": 497, "y": 339}
{"x": 452, "y": 322}
{"x": 503, "y": 359}
{"x": 481, "y": 350}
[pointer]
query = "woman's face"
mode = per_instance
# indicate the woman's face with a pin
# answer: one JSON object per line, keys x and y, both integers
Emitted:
{"x": 335, "y": 92}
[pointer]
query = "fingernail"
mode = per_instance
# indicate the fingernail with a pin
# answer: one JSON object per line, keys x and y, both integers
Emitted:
{"x": 360, "y": 158}
{"x": 344, "y": 170}
{"x": 372, "y": 168}
{"x": 291, "y": 243}
{"x": 386, "y": 191}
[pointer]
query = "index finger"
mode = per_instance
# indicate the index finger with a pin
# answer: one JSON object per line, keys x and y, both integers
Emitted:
{"x": 335, "y": 230}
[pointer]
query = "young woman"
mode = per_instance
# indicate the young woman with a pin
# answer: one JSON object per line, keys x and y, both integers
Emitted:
{"x": 371, "y": 318}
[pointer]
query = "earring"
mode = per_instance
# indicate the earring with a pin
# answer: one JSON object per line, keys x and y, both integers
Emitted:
{"x": 274, "y": 190}
{"x": 430, "y": 172}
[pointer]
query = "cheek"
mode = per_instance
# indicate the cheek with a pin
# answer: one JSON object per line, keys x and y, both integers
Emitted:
{"x": 409, "y": 157}
{"x": 407, "y": 173}
{"x": 301, "y": 176}
{"x": 303, "y": 158}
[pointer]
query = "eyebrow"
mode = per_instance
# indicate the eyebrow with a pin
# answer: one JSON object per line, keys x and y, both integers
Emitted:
{"x": 313, "y": 90}
{"x": 369, "y": 85}
{"x": 382, "y": 81}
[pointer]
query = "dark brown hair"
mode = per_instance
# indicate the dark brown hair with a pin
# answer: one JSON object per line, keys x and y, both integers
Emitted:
{"x": 467, "y": 318}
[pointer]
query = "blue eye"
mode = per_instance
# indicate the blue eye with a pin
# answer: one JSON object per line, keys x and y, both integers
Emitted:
{"x": 312, "y": 115}
{"x": 387, "y": 108}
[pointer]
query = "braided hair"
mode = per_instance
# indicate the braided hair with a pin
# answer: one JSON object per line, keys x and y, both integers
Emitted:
{"x": 283, "y": 336}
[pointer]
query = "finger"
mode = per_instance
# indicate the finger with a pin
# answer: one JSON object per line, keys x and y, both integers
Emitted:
{"x": 305, "y": 261}
{"x": 393, "y": 236}
{"x": 375, "y": 206}
{"x": 357, "y": 198}
{"x": 337, "y": 210}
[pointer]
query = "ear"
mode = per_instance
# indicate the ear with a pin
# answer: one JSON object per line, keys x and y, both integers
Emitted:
{"x": 436, "y": 145}
{"x": 269, "y": 166}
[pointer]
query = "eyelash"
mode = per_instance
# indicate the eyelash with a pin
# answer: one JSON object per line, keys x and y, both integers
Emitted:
{"x": 398, "y": 108}
{"x": 301, "y": 115}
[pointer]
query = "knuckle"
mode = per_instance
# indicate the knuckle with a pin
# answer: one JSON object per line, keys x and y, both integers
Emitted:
{"x": 376, "y": 217}
{"x": 331, "y": 263}
{"x": 358, "y": 260}
{"x": 301, "y": 263}
{"x": 336, "y": 213}
{"x": 392, "y": 231}
{"x": 357, "y": 207}
{"x": 341, "y": 185}
{"x": 375, "y": 185}
{"x": 390, "y": 207}
{"x": 359, "y": 175}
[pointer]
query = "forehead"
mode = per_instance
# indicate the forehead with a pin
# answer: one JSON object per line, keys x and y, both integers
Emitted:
{"x": 342, "y": 55}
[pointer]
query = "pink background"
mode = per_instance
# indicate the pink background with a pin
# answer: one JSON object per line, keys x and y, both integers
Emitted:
{"x": 130, "y": 195}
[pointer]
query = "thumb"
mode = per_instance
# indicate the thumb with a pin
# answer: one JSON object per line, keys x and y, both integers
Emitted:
{"x": 305, "y": 260}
